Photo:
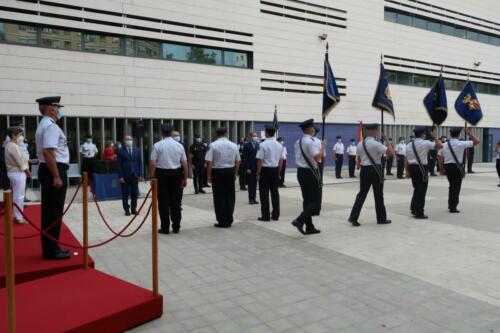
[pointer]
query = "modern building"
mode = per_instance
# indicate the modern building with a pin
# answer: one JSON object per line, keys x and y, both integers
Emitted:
{"x": 200, "y": 64}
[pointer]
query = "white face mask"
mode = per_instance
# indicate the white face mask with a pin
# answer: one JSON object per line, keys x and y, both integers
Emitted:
{"x": 89, "y": 140}
{"x": 128, "y": 143}
{"x": 339, "y": 140}
{"x": 255, "y": 139}
{"x": 198, "y": 140}
{"x": 20, "y": 140}
{"x": 177, "y": 138}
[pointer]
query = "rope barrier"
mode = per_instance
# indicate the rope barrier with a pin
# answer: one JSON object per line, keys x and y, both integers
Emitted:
{"x": 58, "y": 221}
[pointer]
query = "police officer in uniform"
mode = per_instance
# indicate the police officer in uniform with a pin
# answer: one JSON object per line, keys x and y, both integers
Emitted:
{"x": 416, "y": 166}
{"x": 370, "y": 153}
{"x": 197, "y": 153}
{"x": 307, "y": 155}
{"x": 53, "y": 154}
{"x": 269, "y": 163}
{"x": 284, "y": 158}
{"x": 351, "y": 153}
{"x": 389, "y": 162}
{"x": 250, "y": 152}
{"x": 88, "y": 151}
{"x": 450, "y": 164}
{"x": 223, "y": 162}
{"x": 400, "y": 157}
{"x": 169, "y": 166}
{"x": 338, "y": 153}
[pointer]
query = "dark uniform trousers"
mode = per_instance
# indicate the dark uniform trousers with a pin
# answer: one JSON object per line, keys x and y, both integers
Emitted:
{"x": 339, "y": 160}
{"x": 283, "y": 173}
{"x": 369, "y": 177}
{"x": 498, "y": 167}
{"x": 251, "y": 181}
{"x": 455, "y": 180}
{"x": 432, "y": 161}
{"x": 52, "y": 205}
{"x": 224, "y": 196}
{"x": 419, "y": 188}
{"x": 401, "y": 166}
{"x": 198, "y": 176}
{"x": 130, "y": 187}
{"x": 352, "y": 165}
{"x": 311, "y": 197}
{"x": 389, "y": 164}
{"x": 88, "y": 167}
{"x": 169, "y": 197}
{"x": 470, "y": 159}
{"x": 269, "y": 183}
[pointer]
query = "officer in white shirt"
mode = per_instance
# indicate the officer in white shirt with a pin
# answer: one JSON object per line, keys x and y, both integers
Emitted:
{"x": 169, "y": 166}
{"x": 351, "y": 153}
{"x": 88, "y": 151}
{"x": 451, "y": 157}
{"x": 269, "y": 162}
{"x": 284, "y": 158}
{"x": 416, "y": 167}
{"x": 338, "y": 154}
{"x": 53, "y": 154}
{"x": 307, "y": 155}
{"x": 223, "y": 161}
{"x": 400, "y": 157}
{"x": 370, "y": 153}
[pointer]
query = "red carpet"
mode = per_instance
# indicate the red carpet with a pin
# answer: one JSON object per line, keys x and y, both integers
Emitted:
{"x": 81, "y": 301}
{"x": 29, "y": 264}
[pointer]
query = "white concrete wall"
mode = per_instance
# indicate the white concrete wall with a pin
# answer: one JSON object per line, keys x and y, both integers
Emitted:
{"x": 116, "y": 86}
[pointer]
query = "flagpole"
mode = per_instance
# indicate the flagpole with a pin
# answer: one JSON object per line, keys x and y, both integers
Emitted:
{"x": 381, "y": 110}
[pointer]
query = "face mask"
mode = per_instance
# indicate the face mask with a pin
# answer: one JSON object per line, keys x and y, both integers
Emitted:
{"x": 128, "y": 143}
{"x": 353, "y": 143}
{"x": 177, "y": 138}
{"x": 60, "y": 113}
{"x": 20, "y": 140}
{"x": 339, "y": 140}
{"x": 89, "y": 140}
{"x": 198, "y": 140}
{"x": 402, "y": 141}
{"x": 282, "y": 143}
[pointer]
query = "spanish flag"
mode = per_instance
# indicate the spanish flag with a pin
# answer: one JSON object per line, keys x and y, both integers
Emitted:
{"x": 361, "y": 135}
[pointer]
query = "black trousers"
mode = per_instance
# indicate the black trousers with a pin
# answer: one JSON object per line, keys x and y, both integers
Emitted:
{"x": 198, "y": 176}
{"x": 242, "y": 178}
{"x": 419, "y": 188}
{"x": 88, "y": 166}
{"x": 339, "y": 161}
{"x": 52, "y": 205}
{"x": 169, "y": 197}
{"x": 352, "y": 165}
{"x": 388, "y": 166}
{"x": 251, "y": 180}
{"x": 224, "y": 196}
{"x": 498, "y": 167}
{"x": 432, "y": 165}
{"x": 470, "y": 161}
{"x": 455, "y": 180}
{"x": 283, "y": 173}
{"x": 369, "y": 177}
{"x": 269, "y": 183}
{"x": 311, "y": 197}
{"x": 130, "y": 188}
{"x": 401, "y": 165}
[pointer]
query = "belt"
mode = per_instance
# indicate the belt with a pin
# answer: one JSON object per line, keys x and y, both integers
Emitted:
{"x": 270, "y": 168}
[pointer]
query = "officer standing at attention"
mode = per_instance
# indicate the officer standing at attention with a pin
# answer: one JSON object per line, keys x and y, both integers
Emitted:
{"x": 284, "y": 158}
{"x": 338, "y": 153}
{"x": 269, "y": 163}
{"x": 88, "y": 151}
{"x": 53, "y": 154}
{"x": 450, "y": 164}
{"x": 223, "y": 162}
{"x": 351, "y": 153}
{"x": 307, "y": 155}
{"x": 370, "y": 153}
{"x": 416, "y": 166}
{"x": 389, "y": 162}
{"x": 169, "y": 166}
{"x": 197, "y": 153}
{"x": 250, "y": 159}
{"x": 400, "y": 157}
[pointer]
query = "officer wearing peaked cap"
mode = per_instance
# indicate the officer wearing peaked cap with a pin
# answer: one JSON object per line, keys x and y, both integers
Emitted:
{"x": 416, "y": 166}
{"x": 53, "y": 154}
{"x": 370, "y": 153}
{"x": 308, "y": 152}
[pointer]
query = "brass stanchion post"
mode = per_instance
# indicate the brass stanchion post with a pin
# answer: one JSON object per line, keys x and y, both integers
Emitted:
{"x": 154, "y": 240}
{"x": 9, "y": 263}
{"x": 85, "y": 210}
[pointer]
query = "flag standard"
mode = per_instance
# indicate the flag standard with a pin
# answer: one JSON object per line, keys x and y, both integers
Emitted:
{"x": 467, "y": 105}
{"x": 435, "y": 102}
{"x": 331, "y": 95}
{"x": 383, "y": 98}
{"x": 276, "y": 125}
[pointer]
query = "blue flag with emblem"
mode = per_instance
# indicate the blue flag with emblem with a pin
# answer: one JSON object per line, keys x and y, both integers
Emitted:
{"x": 435, "y": 102}
{"x": 467, "y": 105}
{"x": 276, "y": 125}
{"x": 383, "y": 98}
{"x": 331, "y": 95}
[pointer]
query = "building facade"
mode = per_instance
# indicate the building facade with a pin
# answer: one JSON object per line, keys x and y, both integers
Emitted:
{"x": 205, "y": 63}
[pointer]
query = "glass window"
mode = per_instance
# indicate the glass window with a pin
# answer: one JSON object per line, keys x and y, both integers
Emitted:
{"x": 404, "y": 78}
{"x": 61, "y": 39}
{"x": 420, "y": 23}
{"x": 392, "y": 77}
{"x": 2, "y": 32}
{"x": 472, "y": 35}
{"x": 142, "y": 48}
{"x": 237, "y": 59}
{"x": 390, "y": 16}
{"x": 203, "y": 55}
{"x": 176, "y": 52}
{"x": 420, "y": 80}
{"x": 460, "y": 32}
{"x": 20, "y": 34}
{"x": 495, "y": 40}
{"x": 404, "y": 19}
{"x": 483, "y": 88}
{"x": 457, "y": 85}
{"x": 102, "y": 43}
{"x": 448, "y": 84}
{"x": 494, "y": 90}
{"x": 434, "y": 26}
{"x": 448, "y": 29}
{"x": 484, "y": 38}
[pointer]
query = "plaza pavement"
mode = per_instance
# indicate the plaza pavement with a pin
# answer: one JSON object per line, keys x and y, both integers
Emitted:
{"x": 437, "y": 275}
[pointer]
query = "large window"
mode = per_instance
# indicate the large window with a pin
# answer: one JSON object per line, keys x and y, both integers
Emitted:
{"x": 61, "y": 39}
{"x": 202, "y": 55}
{"x": 443, "y": 27}
{"x": 237, "y": 59}
{"x": 176, "y": 52}
{"x": 18, "y": 34}
{"x": 102, "y": 43}
{"x": 143, "y": 48}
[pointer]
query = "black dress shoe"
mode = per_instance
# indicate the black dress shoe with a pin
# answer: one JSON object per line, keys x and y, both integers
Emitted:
{"x": 163, "y": 231}
{"x": 421, "y": 217}
{"x": 263, "y": 219}
{"x": 202, "y": 191}
{"x": 134, "y": 212}
{"x": 218, "y": 225}
{"x": 385, "y": 222}
{"x": 413, "y": 213}
{"x": 354, "y": 223}
{"x": 196, "y": 192}
{"x": 454, "y": 211}
{"x": 127, "y": 213}
{"x": 400, "y": 177}
{"x": 57, "y": 256}
{"x": 390, "y": 174}
{"x": 253, "y": 202}
{"x": 433, "y": 175}
{"x": 243, "y": 188}
{"x": 312, "y": 231}
{"x": 176, "y": 231}
{"x": 471, "y": 171}
{"x": 275, "y": 218}
{"x": 299, "y": 227}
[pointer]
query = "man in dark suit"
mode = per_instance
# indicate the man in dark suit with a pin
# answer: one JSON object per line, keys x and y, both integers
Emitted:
{"x": 130, "y": 172}
{"x": 250, "y": 162}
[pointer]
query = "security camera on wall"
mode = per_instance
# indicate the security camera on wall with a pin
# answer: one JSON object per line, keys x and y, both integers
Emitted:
{"x": 323, "y": 36}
